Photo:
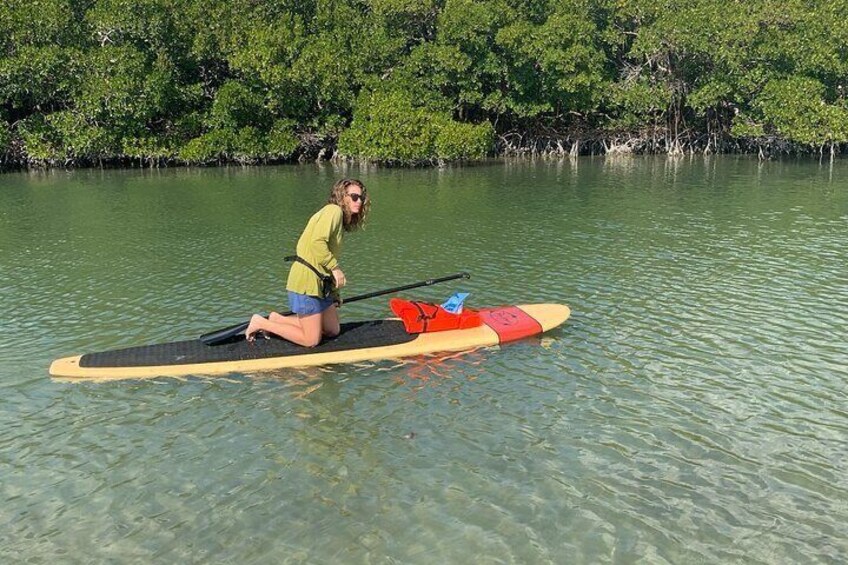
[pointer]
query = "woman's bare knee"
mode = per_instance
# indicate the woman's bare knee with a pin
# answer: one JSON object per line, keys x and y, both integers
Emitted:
{"x": 312, "y": 341}
{"x": 331, "y": 332}
{"x": 311, "y": 329}
{"x": 330, "y": 326}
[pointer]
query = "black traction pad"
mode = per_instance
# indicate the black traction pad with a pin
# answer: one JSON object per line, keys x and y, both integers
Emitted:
{"x": 354, "y": 335}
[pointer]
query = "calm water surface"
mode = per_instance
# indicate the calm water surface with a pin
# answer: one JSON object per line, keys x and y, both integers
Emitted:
{"x": 693, "y": 410}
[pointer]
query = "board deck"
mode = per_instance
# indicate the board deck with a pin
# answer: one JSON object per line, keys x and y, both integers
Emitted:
{"x": 358, "y": 341}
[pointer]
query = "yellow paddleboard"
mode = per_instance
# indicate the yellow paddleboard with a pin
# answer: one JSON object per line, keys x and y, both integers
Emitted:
{"x": 358, "y": 341}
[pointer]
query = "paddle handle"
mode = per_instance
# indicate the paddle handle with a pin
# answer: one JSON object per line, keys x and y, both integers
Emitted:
{"x": 225, "y": 334}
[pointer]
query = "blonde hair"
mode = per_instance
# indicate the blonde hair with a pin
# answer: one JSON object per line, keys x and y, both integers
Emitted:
{"x": 352, "y": 222}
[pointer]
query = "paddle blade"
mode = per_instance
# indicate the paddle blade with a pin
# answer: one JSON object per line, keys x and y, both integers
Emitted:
{"x": 233, "y": 333}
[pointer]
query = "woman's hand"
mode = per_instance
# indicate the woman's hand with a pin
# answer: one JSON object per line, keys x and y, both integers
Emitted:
{"x": 339, "y": 275}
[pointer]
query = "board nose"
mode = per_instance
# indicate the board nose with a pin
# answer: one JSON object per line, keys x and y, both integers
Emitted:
{"x": 549, "y": 316}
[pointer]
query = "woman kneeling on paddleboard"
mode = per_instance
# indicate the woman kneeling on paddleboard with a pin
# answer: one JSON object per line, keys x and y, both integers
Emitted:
{"x": 315, "y": 276}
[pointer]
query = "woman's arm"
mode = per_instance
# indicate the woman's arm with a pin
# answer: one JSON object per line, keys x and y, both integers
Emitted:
{"x": 328, "y": 228}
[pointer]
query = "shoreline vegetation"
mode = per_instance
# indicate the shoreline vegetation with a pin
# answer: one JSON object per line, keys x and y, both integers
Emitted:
{"x": 401, "y": 82}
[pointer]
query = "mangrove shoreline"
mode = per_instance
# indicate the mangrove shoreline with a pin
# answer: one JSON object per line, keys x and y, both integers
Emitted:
{"x": 206, "y": 82}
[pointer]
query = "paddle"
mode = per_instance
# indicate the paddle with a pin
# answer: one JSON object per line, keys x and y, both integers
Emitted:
{"x": 226, "y": 334}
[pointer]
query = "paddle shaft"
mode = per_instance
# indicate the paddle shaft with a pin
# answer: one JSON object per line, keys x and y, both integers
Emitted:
{"x": 218, "y": 336}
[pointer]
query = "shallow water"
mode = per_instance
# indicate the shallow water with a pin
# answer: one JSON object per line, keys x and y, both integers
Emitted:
{"x": 692, "y": 410}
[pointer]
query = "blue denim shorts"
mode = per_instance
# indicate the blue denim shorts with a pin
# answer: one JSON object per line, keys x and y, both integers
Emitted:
{"x": 303, "y": 304}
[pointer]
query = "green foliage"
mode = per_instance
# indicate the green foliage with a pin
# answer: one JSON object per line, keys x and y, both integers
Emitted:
{"x": 389, "y": 126}
{"x": 456, "y": 140}
{"x": 266, "y": 53}
{"x": 66, "y": 136}
{"x": 212, "y": 146}
{"x": 555, "y": 65}
{"x": 147, "y": 148}
{"x": 80, "y": 139}
{"x": 5, "y": 138}
{"x": 41, "y": 141}
{"x": 145, "y": 24}
{"x": 248, "y": 144}
{"x": 282, "y": 141}
{"x": 408, "y": 81}
{"x": 639, "y": 103}
{"x": 795, "y": 109}
{"x": 470, "y": 28}
{"x": 736, "y": 63}
{"x": 114, "y": 90}
{"x": 745, "y": 127}
{"x": 236, "y": 106}
{"x": 245, "y": 145}
{"x": 35, "y": 77}
{"x": 39, "y": 23}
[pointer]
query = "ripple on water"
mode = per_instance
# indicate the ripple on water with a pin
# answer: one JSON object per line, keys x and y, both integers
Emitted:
{"x": 691, "y": 410}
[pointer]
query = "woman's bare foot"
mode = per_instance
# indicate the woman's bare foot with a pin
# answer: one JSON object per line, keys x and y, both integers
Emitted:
{"x": 255, "y": 325}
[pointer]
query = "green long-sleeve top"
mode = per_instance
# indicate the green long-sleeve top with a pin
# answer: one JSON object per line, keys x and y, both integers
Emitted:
{"x": 319, "y": 245}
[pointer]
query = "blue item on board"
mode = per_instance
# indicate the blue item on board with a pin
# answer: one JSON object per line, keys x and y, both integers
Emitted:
{"x": 454, "y": 303}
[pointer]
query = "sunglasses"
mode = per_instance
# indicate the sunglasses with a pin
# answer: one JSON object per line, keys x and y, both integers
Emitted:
{"x": 357, "y": 197}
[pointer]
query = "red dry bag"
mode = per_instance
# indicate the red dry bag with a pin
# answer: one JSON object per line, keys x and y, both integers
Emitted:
{"x": 423, "y": 317}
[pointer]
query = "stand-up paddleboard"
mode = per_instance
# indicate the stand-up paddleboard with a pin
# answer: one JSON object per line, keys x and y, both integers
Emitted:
{"x": 358, "y": 341}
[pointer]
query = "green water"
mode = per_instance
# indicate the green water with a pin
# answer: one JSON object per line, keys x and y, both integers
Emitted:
{"x": 693, "y": 410}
